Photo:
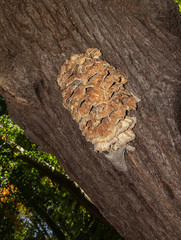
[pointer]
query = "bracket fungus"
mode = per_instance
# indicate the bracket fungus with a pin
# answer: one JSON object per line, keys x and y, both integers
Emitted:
{"x": 93, "y": 91}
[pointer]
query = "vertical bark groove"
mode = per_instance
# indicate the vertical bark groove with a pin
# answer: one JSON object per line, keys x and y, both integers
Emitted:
{"x": 144, "y": 202}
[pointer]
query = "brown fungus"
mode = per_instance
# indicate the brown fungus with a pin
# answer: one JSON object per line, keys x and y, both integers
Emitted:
{"x": 93, "y": 91}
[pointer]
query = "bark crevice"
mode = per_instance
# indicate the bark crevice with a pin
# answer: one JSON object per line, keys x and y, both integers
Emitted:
{"x": 144, "y": 202}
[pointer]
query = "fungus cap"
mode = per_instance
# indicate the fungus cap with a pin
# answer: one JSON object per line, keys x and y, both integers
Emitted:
{"x": 93, "y": 91}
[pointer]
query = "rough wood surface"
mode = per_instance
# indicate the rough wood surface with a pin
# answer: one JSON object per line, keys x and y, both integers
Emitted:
{"x": 140, "y": 39}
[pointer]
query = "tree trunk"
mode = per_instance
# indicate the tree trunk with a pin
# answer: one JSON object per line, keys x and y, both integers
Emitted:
{"x": 139, "y": 38}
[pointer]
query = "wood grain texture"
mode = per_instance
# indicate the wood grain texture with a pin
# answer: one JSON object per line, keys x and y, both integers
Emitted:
{"x": 134, "y": 36}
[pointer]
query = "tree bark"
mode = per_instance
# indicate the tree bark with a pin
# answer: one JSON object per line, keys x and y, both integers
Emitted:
{"x": 140, "y": 39}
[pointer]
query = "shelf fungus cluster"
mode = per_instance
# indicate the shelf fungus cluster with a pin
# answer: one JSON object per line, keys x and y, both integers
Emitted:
{"x": 94, "y": 93}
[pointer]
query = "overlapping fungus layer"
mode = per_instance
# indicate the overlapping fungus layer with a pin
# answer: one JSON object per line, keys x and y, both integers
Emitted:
{"x": 94, "y": 93}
